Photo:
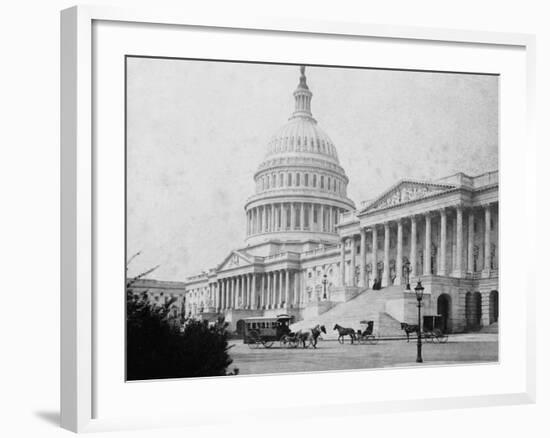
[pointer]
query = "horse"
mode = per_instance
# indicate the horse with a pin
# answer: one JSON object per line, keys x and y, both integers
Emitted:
{"x": 343, "y": 331}
{"x": 312, "y": 335}
{"x": 410, "y": 328}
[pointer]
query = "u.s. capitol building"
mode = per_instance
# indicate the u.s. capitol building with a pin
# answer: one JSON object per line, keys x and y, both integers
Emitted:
{"x": 311, "y": 252}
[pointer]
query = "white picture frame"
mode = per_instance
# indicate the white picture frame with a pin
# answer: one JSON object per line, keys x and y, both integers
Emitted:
{"x": 79, "y": 366}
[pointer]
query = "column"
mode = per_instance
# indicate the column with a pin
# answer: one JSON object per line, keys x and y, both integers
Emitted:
{"x": 352, "y": 263}
{"x": 343, "y": 262}
{"x": 262, "y": 292}
{"x": 285, "y": 223}
{"x": 362, "y": 257}
{"x": 471, "y": 219}
{"x": 244, "y": 291}
{"x": 330, "y": 219}
{"x": 487, "y": 241}
{"x": 224, "y": 290}
{"x": 386, "y": 280}
{"x": 302, "y": 216}
{"x": 443, "y": 242}
{"x": 412, "y": 255}
{"x": 233, "y": 293}
{"x": 268, "y": 294}
{"x": 265, "y": 218}
{"x": 292, "y": 216}
{"x": 253, "y": 293}
{"x": 287, "y": 288}
{"x": 322, "y": 222}
{"x": 279, "y": 295}
{"x": 399, "y": 257}
{"x": 295, "y": 277}
{"x": 374, "y": 253}
{"x": 311, "y": 217}
{"x": 427, "y": 244}
{"x": 458, "y": 258}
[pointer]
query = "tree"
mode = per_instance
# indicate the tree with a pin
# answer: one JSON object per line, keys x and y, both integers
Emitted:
{"x": 160, "y": 345}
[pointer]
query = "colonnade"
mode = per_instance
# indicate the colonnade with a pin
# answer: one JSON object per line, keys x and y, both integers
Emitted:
{"x": 456, "y": 268}
{"x": 292, "y": 216}
{"x": 270, "y": 290}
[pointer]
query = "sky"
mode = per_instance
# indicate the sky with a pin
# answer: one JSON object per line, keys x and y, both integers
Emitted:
{"x": 197, "y": 131}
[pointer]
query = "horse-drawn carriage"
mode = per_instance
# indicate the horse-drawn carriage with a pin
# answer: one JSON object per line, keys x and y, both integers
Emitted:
{"x": 266, "y": 331}
{"x": 433, "y": 329}
{"x": 365, "y": 335}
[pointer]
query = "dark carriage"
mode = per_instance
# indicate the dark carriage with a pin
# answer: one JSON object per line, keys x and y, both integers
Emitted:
{"x": 366, "y": 334}
{"x": 433, "y": 329}
{"x": 266, "y": 331}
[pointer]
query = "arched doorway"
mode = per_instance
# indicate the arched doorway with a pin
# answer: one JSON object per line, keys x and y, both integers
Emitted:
{"x": 469, "y": 305}
{"x": 476, "y": 310}
{"x": 240, "y": 327}
{"x": 493, "y": 306}
{"x": 444, "y": 309}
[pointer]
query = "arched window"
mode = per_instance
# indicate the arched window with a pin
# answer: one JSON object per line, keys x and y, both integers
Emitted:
{"x": 281, "y": 180}
{"x": 306, "y": 179}
{"x": 322, "y": 182}
{"x": 267, "y": 182}
{"x": 314, "y": 180}
{"x": 334, "y": 186}
{"x": 297, "y": 179}
{"x": 273, "y": 180}
{"x": 289, "y": 180}
{"x": 328, "y": 183}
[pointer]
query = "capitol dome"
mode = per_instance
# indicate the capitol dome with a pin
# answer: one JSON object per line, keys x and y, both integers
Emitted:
{"x": 301, "y": 189}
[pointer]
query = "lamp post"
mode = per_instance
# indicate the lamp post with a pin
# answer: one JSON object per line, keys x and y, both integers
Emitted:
{"x": 324, "y": 286}
{"x": 419, "y": 291}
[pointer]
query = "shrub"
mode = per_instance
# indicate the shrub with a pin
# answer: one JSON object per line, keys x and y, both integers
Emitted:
{"x": 160, "y": 346}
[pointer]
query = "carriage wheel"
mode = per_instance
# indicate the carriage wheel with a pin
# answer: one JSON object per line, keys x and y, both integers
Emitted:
{"x": 287, "y": 342}
{"x": 253, "y": 340}
{"x": 267, "y": 344}
{"x": 372, "y": 340}
{"x": 441, "y": 337}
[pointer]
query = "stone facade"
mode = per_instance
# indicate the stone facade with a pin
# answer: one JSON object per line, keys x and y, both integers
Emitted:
{"x": 309, "y": 249}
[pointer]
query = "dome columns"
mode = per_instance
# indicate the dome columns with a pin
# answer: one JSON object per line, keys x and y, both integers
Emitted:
{"x": 292, "y": 216}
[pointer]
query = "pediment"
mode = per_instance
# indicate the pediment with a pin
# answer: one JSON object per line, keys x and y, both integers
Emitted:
{"x": 235, "y": 259}
{"x": 407, "y": 191}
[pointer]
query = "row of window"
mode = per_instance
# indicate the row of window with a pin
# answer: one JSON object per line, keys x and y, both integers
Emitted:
{"x": 305, "y": 144}
{"x": 291, "y": 179}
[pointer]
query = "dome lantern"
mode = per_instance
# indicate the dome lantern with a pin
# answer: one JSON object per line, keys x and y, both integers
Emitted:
{"x": 302, "y": 98}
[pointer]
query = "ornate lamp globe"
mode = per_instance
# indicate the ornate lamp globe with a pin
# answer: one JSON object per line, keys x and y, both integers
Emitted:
{"x": 419, "y": 290}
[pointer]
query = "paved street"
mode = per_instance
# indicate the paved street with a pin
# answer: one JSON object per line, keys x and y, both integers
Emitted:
{"x": 330, "y": 355}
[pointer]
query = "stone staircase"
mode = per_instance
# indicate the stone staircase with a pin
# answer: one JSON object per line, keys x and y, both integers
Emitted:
{"x": 367, "y": 305}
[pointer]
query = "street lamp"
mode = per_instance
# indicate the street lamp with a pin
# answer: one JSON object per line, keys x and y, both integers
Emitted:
{"x": 324, "y": 286}
{"x": 419, "y": 291}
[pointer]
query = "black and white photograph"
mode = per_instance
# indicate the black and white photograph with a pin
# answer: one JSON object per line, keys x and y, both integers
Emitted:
{"x": 297, "y": 218}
